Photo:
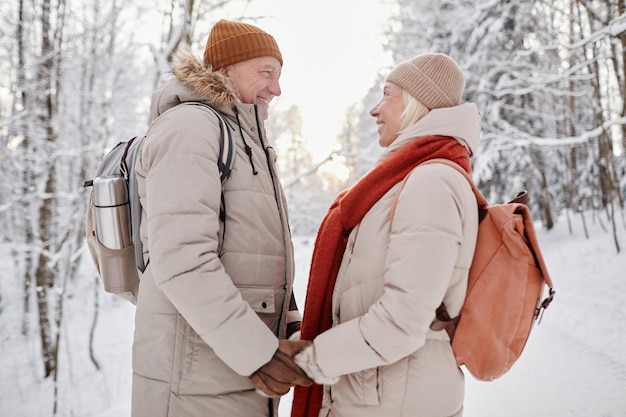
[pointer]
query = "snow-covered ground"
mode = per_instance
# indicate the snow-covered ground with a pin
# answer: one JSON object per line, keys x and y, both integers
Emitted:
{"x": 574, "y": 363}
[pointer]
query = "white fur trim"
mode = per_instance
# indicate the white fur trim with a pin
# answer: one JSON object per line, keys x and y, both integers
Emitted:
{"x": 305, "y": 359}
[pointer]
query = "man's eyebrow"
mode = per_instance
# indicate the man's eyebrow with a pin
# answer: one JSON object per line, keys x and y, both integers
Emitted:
{"x": 270, "y": 68}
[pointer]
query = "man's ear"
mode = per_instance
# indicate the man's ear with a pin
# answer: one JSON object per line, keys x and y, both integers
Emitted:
{"x": 224, "y": 71}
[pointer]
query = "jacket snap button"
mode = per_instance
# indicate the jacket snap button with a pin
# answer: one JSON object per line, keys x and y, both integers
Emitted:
{"x": 264, "y": 304}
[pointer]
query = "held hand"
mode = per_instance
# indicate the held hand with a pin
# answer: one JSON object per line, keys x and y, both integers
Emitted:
{"x": 276, "y": 377}
{"x": 307, "y": 360}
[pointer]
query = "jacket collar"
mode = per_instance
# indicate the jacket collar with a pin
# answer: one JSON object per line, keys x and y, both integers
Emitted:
{"x": 460, "y": 122}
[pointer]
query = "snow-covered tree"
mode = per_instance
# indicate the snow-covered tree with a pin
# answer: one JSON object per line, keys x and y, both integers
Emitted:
{"x": 75, "y": 79}
{"x": 549, "y": 81}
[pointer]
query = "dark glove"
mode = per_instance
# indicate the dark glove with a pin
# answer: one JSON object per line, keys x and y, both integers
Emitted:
{"x": 276, "y": 377}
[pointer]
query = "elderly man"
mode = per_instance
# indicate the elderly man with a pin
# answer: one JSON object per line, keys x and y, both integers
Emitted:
{"x": 215, "y": 304}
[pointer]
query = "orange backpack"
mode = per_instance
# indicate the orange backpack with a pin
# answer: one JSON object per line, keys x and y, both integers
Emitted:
{"x": 504, "y": 289}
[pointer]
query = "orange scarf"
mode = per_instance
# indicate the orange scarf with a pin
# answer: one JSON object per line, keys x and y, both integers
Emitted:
{"x": 343, "y": 215}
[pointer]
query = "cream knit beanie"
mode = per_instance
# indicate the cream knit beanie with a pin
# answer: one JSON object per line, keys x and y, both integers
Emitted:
{"x": 434, "y": 79}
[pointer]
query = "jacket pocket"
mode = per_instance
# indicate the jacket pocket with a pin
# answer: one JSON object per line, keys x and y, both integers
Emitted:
{"x": 371, "y": 386}
{"x": 198, "y": 370}
{"x": 361, "y": 388}
{"x": 261, "y": 300}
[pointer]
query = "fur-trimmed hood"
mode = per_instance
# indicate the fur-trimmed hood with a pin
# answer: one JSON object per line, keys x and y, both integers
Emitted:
{"x": 192, "y": 81}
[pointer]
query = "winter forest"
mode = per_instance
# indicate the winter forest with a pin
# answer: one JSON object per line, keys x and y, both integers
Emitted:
{"x": 76, "y": 77}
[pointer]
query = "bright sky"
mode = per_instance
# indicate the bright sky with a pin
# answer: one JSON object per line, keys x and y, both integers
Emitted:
{"x": 332, "y": 51}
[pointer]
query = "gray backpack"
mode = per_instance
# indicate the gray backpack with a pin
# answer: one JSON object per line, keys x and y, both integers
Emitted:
{"x": 113, "y": 215}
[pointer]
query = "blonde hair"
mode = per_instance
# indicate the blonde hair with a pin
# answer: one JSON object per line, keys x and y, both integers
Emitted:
{"x": 414, "y": 110}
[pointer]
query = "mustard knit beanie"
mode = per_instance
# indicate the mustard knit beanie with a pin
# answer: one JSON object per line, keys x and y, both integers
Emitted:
{"x": 434, "y": 79}
{"x": 232, "y": 42}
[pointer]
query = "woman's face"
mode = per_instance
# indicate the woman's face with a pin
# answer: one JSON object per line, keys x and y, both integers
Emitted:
{"x": 388, "y": 113}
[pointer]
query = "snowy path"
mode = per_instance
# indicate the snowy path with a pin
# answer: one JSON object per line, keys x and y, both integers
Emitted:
{"x": 557, "y": 376}
{"x": 574, "y": 364}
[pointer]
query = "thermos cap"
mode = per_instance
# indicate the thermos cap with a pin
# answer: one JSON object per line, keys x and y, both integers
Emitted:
{"x": 109, "y": 191}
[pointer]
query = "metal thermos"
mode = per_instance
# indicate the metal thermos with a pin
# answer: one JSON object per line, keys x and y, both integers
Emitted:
{"x": 112, "y": 212}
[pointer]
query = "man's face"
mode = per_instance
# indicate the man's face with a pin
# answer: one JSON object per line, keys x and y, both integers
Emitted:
{"x": 256, "y": 80}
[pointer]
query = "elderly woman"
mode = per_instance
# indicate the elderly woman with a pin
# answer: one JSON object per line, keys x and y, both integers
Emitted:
{"x": 375, "y": 284}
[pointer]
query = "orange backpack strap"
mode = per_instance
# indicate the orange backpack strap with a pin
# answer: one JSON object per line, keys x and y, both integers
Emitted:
{"x": 482, "y": 202}
{"x": 522, "y": 197}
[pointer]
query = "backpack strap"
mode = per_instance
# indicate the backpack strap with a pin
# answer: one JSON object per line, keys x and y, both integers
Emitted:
{"x": 481, "y": 200}
{"x": 226, "y": 157}
{"x": 130, "y": 155}
{"x": 522, "y": 197}
{"x": 225, "y": 162}
{"x": 227, "y": 146}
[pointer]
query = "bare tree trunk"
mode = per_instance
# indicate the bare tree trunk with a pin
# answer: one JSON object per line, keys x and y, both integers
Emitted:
{"x": 609, "y": 183}
{"x": 544, "y": 202}
{"x": 572, "y": 186}
{"x": 620, "y": 71}
{"x": 617, "y": 56}
{"x": 94, "y": 323}
{"x": 45, "y": 281}
{"x": 44, "y": 275}
{"x": 26, "y": 151}
{"x": 584, "y": 221}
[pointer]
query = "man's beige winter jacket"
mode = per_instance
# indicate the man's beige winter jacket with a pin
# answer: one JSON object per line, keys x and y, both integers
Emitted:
{"x": 206, "y": 320}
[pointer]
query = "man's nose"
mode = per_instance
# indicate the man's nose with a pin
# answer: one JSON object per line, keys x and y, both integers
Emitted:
{"x": 274, "y": 88}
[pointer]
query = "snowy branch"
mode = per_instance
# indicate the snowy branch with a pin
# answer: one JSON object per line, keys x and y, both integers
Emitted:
{"x": 311, "y": 170}
{"x": 522, "y": 138}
